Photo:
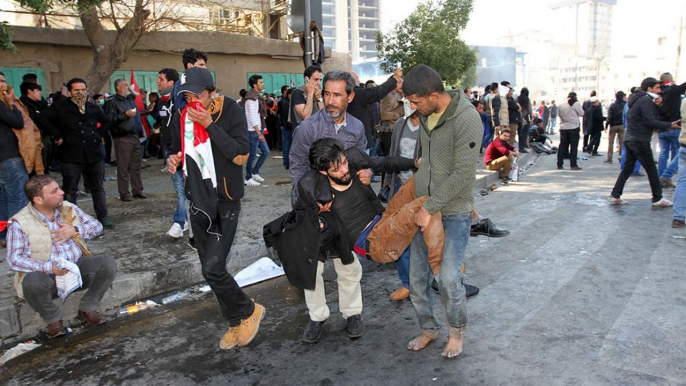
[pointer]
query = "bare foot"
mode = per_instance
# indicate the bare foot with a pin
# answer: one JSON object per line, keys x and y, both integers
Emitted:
{"x": 453, "y": 348}
{"x": 418, "y": 343}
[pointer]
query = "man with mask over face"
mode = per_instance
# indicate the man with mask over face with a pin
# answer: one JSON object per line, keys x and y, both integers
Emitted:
{"x": 125, "y": 130}
{"x": 78, "y": 145}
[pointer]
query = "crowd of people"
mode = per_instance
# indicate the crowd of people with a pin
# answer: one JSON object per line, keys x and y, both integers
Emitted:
{"x": 336, "y": 136}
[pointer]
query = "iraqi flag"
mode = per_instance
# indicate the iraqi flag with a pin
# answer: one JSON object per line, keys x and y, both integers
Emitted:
{"x": 139, "y": 103}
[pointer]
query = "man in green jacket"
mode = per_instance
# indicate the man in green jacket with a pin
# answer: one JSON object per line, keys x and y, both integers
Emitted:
{"x": 450, "y": 139}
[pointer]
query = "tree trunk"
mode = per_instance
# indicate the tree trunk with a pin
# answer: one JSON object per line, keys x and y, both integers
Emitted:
{"x": 110, "y": 50}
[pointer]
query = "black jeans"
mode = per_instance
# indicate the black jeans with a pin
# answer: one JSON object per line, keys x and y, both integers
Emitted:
{"x": 595, "y": 141}
{"x": 214, "y": 238}
{"x": 642, "y": 152}
{"x": 569, "y": 142}
{"x": 92, "y": 175}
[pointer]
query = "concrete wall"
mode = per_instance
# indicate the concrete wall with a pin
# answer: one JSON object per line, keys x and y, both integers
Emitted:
{"x": 65, "y": 54}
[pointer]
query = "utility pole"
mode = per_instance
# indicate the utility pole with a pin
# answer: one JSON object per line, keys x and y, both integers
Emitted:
{"x": 307, "y": 33}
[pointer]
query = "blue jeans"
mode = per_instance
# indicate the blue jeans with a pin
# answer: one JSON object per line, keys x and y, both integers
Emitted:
{"x": 255, "y": 144}
{"x": 453, "y": 294}
{"x": 180, "y": 214}
{"x": 488, "y": 134}
{"x": 679, "y": 207}
{"x": 286, "y": 139}
{"x": 671, "y": 168}
{"x": 669, "y": 142}
{"x": 551, "y": 125}
{"x": 13, "y": 177}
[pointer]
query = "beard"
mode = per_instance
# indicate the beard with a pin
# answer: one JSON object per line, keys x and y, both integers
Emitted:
{"x": 343, "y": 181}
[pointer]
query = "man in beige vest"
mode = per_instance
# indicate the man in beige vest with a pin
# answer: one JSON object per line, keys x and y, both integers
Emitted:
{"x": 46, "y": 231}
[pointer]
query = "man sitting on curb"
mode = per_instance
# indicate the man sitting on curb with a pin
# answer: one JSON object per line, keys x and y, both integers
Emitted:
{"x": 538, "y": 140}
{"x": 47, "y": 230}
{"x": 500, "y": 155}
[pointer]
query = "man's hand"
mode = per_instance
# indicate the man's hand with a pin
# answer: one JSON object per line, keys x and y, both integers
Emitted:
{"x": 310, "y": 87}
{"x": 398, "y": 74}
{"x": 418, "y": 162}
{"x": 173, "y": 162}
{"x": 260, "y": 136}
{"x": 59, "y": 272}
{"x": 365, "y": 176}
{"x": 423, "y": 218}
{"x": 59, "y": 141}
{"x": 325, "y": 208}
{"x": 317, "y": 93}
{"x": 63, "y": 234}
{"x": 130, "y": 113}
{"x": 200, "y": 115}
{"x": 676, "y": 124}
{"x": 515, "y": 153}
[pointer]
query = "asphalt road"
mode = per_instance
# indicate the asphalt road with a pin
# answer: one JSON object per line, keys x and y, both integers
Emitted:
{"x": 581, "y": 293}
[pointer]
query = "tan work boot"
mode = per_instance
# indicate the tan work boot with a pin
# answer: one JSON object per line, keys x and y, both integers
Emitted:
{"x": 248, "y": 329}
{"x": 401, "y": 293}
{"x": 230, "y": 339}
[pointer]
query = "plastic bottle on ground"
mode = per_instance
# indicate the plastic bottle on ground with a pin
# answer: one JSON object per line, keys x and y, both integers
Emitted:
{"x": 176, "y": 297}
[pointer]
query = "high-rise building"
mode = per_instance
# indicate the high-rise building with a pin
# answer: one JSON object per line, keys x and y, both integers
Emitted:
{"x": 586, "y": 24}
{"x": 351, "y": 26}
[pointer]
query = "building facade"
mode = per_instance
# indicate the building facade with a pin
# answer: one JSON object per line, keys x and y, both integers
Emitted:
{"x": 351, "y": 26}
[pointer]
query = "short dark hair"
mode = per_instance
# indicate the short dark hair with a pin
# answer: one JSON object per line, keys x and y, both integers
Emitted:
{"x": 75, "y": 80}
{"x": 619, "y": 94}
{"x": 252, "y": 81}
{"x": 34, "y": 186}
{"x": 29, "y": 78}
{"x": 243, "y": 93}
{"x": 505, "y": 83}
{"x": 2, "y": 73}
{"x": 537, "y": 121}
{"x": 284, "y": 88}
{"x": 27, "y": 86}
{"x": 96, "y": 96}
{"x": 422, "y": 81}
{"x": 476, "y": 103}
{"x": 156, "y": 95}
{"x": 311, "y": 70}
{"x": 324, "y": 153}
{"x": 170, "y": 74}
{"x": 593, "y": 93}
{"x": 503, "y": 131}
{"x": 191, "y": 55}
{"x": 494, "y": 86}
{"x": 341, "y": 75}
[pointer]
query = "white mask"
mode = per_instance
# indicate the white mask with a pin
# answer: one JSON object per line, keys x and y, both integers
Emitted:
{"x": 408, "y": 108}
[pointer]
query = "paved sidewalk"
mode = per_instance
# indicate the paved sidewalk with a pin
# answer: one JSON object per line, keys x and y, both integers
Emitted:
{"x": 150, "y": 262}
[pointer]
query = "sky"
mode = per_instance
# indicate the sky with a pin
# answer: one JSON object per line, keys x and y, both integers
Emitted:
{"x": 485, "y": 25}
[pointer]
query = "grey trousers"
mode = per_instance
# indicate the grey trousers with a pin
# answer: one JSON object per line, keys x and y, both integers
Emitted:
{"x": 127, "y": 150}
{"x": 98, "y": 273}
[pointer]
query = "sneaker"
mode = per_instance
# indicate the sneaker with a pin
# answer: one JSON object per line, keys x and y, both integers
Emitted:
{"x": 471, "y": 290}
{"x": 175, "y": 231}
{"x": 576, "y": 168}
{"x": 617, "y": 201}
{"x": 185, "y": 226}
{"x": 596, "y": 155}
{"x": 313, "y": 331}
{"x": 249, "y": 326}
{"x": 560, "y": 168}
{"x": 667, "y": 183}
{"x": 401, "y": 293}
{"x": 663, "y": 203}
{"x": 230, "y": 339}
{"x": 257, "y": 178}
{"x": 191, "y": 243}
{"x": 251, "y": 182}
{"x": 678, "y": 223}
{"x": 107, "y": 223}
{"x": 354, "y": 326}
{"x": 486, "y": 228}
{"x": 523, "y": 151}
{"x": 609, "y": 161}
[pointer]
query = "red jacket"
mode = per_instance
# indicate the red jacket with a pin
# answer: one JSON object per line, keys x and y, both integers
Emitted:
{"x": 497, "y": 149}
